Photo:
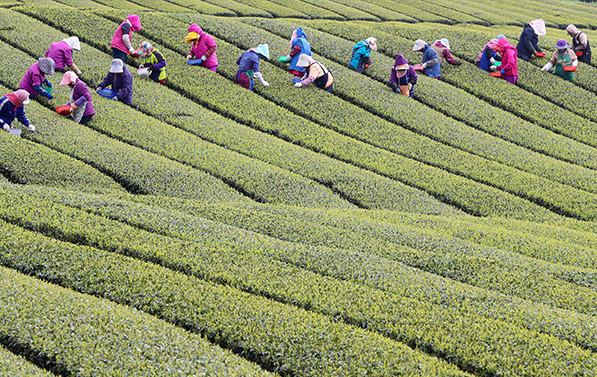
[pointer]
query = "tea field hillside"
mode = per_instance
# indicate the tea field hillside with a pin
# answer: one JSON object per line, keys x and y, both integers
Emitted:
{"x": 207, "y": 230}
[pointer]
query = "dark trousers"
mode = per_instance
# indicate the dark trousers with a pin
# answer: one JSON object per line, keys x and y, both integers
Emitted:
{"x": 86, "y": 119}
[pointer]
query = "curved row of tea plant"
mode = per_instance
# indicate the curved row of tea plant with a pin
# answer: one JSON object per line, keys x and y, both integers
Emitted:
{"x": 349, "y": 119}
{"x": 31, "y": 163}
{"x": 14, "y": 365}
{"x": 380, "y": 272}
{"x": 207, "y": 89}
{"x": 358, "y": 185}
{"x": 76, "y": 333}
{"x": 453, "y": 341}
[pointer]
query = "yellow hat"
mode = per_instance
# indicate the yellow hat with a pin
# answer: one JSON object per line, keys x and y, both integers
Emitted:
{"x": 191, "y": 37}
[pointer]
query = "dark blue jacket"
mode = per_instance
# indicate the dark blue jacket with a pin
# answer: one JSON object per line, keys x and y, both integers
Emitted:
{"x": 8, "y": 112}
{"x": 528, "y": 43}
{"x": 122, "y": 84}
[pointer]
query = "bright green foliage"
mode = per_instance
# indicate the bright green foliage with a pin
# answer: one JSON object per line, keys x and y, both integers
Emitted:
{"x": 463, "y": 339}
{"x": 276, "y": 10}
{"x": 204, "y": 7}
{"x": 89, "y": 336}
{"x": 13, "y": 365}
{"x": 384, "y": 13}
{"x": 30, "y": 163}
{"x": 277, "y": 336}
{"x": 381, "y": 272}
{"x": 312, "y": 11}
{"x": 346, "y": 11}
{"x": 237, "y": 7}
{"x": 124, "y": 4}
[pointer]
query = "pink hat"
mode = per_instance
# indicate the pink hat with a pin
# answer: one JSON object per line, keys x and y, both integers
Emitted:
{"x": 492, "y": 44}
{"x": 69, "y": 78}
{"x": 419, "y": 44}
{"x": 135, "y": 22}
{"x": 19, "y": 98}
{"x": 538, "y": 26}
{"x": 194, "y": 28}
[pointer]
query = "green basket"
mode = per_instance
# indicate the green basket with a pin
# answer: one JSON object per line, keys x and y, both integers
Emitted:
{"x": 497, "y": 64}
{"x": 47, "y": 88}
{"x": 284, "y": 59}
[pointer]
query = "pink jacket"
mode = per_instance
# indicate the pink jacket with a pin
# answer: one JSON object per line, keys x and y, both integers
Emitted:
{"x": 509, "y": 57}
{"x": 117, "y": 42}
{"x": 61, "y": 53}
{"x": 200, "y": 47}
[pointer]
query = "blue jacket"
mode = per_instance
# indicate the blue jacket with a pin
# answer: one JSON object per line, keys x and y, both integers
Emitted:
{"x": 527, "y": 39}
{"x": 122, "y": 84}
{"x": 8, "y": 112}
{"x": 429, "y": 54}
{"x": 485, "y": 61}
{"x": 359, "y": 51}
{"x": 301, "y": 41}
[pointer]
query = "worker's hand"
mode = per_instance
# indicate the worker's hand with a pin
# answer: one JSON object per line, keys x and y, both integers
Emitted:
{"x": 48, "y": 83}
{"x": 457, "y": 62}
{"x": 265, "y": 83}
{"x": 49, "y": 96}
{"x": 298, "y": 84}
{"x": 99, "y": 89}
{"x": 73, "y": 107}
{"x": 31, "y": 127}
{"x": 410, "y": 86}
{"x": 189, "y": 57}
{"x": 492, "y": 68}
{"x": 203, "y": 58}
{"x": 492, "y": 61}
{"x": 543, "y": 69}
{"x": 149, "y": 67}
{"x": 79, "y": 73}
{"x": 424, "y": 65}
{"x": 503, "y": 71}
{"x": 6, "y": 127}
{"x": 131, "y": 51}
{"x": 115, "y": 98}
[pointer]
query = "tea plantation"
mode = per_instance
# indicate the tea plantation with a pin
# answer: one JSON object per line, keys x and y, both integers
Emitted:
{"x": 207, "y": 230}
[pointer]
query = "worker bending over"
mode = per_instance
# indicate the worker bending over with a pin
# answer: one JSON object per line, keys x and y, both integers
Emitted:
{"x": 13, "y": 106}
{"x": 509, "y": 67}
{"x": 315, "y": 73}
{"x": 80, "y": 101}
{"x": 248, "y": 67}
{"x": 403, "y": 77}
{"x": 35, "y": 78}
{"x": 580, "y": 44}
{"x": 442, "y": 48}
{"x": 203, "y": 46}
{"x": 62, "y": 54}
{"x": 121, "y": 81}
{"x": 562, "y": 57}
{"x": 430, "y": 59}
{"x": 122, "y": 41}
{"x": 154, "y": 62}
{"x": 298, "y": 46}
{"x": 528, "y": 44}
{"x": 361, "y": 54}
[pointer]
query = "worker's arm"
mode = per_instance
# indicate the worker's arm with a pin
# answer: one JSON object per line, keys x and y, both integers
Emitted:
{"x": 412, "y": 74}
{"x": 448, "y": 56}
{"x": 107, "y": 81}
{"x": 22, "y": 117}
{"x": 530, "y": 47}
{"x": 3, "y": 108}
{"x": 211, "y": 43}
{"x": 295, "y": 50}
{"x": 75, "y": 69}
{"x": 259, "y": 77}
{"x": 209, "y": 53}
{"x": 161, "y": 61}
{"x": 126, "y": 39}
{"x": 315, "y": 72}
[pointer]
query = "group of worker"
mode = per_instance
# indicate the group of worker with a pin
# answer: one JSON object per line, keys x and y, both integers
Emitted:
{"x": 497, "y": 55}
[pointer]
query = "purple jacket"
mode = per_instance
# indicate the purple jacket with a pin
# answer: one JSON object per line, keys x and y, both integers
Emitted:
{"x": 81, "y": 95}
{"x": 410, "y": 72}
{"x": 61, "y": 53}
{"x": 199, "y": 49}
{"x": 122, "y": 83}
{"x": 33, "y": 77}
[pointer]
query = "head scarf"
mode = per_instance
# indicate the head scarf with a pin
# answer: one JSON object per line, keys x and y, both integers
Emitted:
{"x": 116, "y": 66}
{"x": 19, "y": 98}
{"x": 538, "y": 26}
{"x": 135, "y": 22}
{"x": 304, "y": 60}
{"x": 145, "y": 49}
{"x": 372, "y": 43}
{"x": 572, "y": 30}
{"x": 73, "y": 42}
{"x": 419, "y": 44}
{"x": 46, "y": 66}
{"x": 69, "y": 78}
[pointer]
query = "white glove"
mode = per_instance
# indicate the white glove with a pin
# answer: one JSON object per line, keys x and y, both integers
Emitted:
{"x": 575, "y": 63}
{"x": 492, "y": 60}
{"x": 265, "y": 83}
{"x": 298, "y": 84}
{"x": 424, "y": 65}
{"x": 115, "y": 98}
{"x": 410, "y": 86}
{"x": 99, "y": 89}
{"x": 6, "y": 127}
{"x": 31, "y": 127}
{"x": 547, "y": 67}
{"x": 131, "y": 51}
{"x": 79, "y": 73}
{"x": 493, "y": 68}
{"x": 189, "y": 57}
